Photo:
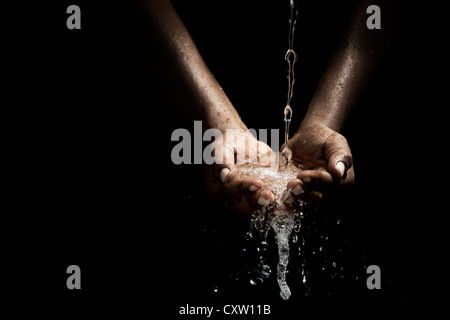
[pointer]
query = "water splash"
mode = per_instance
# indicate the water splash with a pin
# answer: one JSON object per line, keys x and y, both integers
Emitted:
{"x": 282, "y": 225}
{"x": 283, "y": 220}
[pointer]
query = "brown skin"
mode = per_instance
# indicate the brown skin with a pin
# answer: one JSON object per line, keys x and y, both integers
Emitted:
{"x": 200, "y": 97}
{"x": 317, "y": 145}
{"x": 239, "y": 194}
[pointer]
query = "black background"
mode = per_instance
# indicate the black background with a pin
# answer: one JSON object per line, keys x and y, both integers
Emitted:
{"x": 93, "y": 183}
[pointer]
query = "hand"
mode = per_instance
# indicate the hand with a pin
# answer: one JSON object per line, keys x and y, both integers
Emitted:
{"x": 226, "y": 184}
{"x": 324, "y": 156}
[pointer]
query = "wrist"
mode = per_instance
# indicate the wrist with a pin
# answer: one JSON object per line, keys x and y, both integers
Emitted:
{"x": 328, "y": 116}
{"x": 311, "y": 127}
{"x": 313, "y": 120}
{"x": 224, "y": 120}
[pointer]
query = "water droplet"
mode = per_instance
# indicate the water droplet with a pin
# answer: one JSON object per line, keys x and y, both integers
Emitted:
{"x": 263, "y": 247}
{"x": 256, "y": 281}
{"x": 228, "y": 120}
{"x": 294, "y": 238}
{"x": 265, "y": 272}
{"x": 258, "y": 225}
{"x": 334, "y": 264}
{"x": 248, "y": 236}
{"x": 285, "y": 292}
{"x": 215, "y": 289}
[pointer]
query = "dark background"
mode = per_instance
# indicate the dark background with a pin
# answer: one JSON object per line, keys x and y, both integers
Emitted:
{"x": 96, "y": 186}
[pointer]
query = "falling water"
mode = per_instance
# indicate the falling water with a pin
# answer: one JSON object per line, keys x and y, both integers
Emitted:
{"x": 278, "y": 217}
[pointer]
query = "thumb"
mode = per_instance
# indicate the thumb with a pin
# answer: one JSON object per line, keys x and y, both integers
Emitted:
{"x": 338, "y": 155}
{"x": 226, "y": 173}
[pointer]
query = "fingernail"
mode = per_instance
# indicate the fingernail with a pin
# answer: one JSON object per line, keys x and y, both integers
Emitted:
{"x": 289, "y": 200}
{"x": 224, "y": 173}
{"x": 307, "y": 180}
{"x": 297, "y": 190}
{"x": 253, "y": 188}
{"x": 341, "y": 168}
{"x": 263, "y": 201}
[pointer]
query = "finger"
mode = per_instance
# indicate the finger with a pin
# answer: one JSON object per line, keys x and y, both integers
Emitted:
{"x": 295, "y": 189}
{"x": 315, "y": 177}
{"x": 261, "y": 198}
{"x": 249, "y": 203}
{"x": 240, "y": 187}
{"x": 295, "y": 186}
{"x": 248, "y": 185}
{"x": 226, "y": 173}
{"x": 349, "y": 178}
{"x": 338, "y": 155}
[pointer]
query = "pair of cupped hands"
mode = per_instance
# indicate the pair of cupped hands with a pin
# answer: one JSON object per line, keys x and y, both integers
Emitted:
{"x": 323, "y": 155}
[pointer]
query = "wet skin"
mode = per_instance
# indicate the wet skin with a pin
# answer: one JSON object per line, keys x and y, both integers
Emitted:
{"x": 225, "y": 182}
{"x": 316, "y": 153}
{"x": 323, "y": 153}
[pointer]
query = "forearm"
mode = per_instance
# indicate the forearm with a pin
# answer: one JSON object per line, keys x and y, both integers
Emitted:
{"x": 350, "y": 69}
{"x": 181, "y": 72}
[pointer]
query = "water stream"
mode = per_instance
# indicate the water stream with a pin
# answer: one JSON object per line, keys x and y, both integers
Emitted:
{"x": 283, "y": 220}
